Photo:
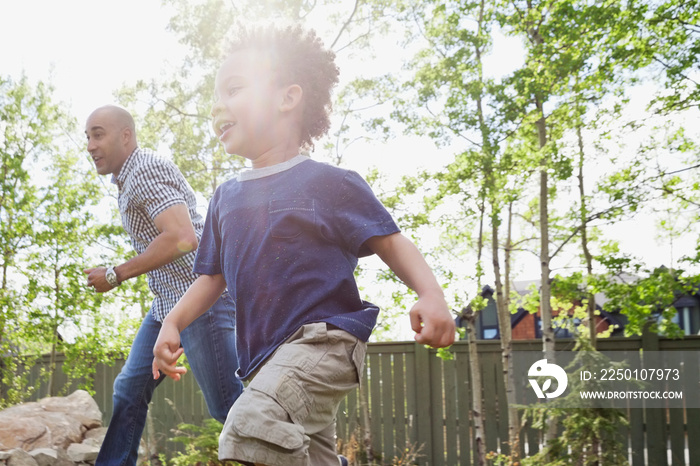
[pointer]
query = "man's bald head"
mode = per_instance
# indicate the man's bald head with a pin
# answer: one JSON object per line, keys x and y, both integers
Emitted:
{"x": 120, "y": 117}
{"x": 111, "y": 135}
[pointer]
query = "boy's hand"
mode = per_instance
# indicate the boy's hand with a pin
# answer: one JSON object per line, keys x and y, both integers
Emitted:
{"x": 166, "y": 352}
{"x": 432, "y": 321}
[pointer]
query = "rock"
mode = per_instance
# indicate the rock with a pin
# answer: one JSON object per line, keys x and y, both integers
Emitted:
{"x": 79, "y": 405}
{"x": 95, "y": 436}
{"x": 51, "y": 457}
{"x": 55, "y": 431}
{"x": 19, "y": 457}
{"x": 79, "y": 452}
{"x": 53, "y": 422}
{"x": 29, "y": 426}
{"x": 44, "y": 456}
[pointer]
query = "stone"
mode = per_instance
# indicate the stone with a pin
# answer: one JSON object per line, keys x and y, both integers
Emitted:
{"x": 54, "y": 431}
{"x": 53, "y": 422}
{"x": 79, "y": 405}
{"x": 51, "y": 457}
{"x": 79, "y": 452}
{"x": 28, "y": 427}
{"x": 95, "y": 436}
{"x": 19, "y": 457}
{"x": 44, "y": 456}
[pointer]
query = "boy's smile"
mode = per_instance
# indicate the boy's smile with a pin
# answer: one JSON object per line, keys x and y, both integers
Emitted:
{"x": 223, "y": 128}
{"x": 250, "y": 115}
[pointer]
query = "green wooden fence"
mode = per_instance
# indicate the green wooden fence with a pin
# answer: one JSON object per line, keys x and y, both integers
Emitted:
{"x": 415, "y": 400}
{"x": 412, "y": 401}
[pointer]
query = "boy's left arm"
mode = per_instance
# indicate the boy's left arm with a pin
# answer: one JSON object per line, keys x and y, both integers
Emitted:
{"x": 430, "y": 317}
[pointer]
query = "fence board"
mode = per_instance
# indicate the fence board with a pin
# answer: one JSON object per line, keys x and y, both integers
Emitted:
{"x": 400, "y": 403}
{"x": 677, "y": 436}
{"x": 363, "y": 406}
{"x": 464, "y": 399}
{"x": 388, "y": 427}
{"x": 692, "y": 418}
{"x": 622, "y": 435}
{"x": 422, "y": 408}
{"x": 490, "y": 416}
{"x": 637, "y": 439}
{"x": 502, "y": 405}
{"x": 411, "y": 396}
{"x": 437, "y": 414}
{"x": 375, "y": 403}
{"x": 451, "y": 427}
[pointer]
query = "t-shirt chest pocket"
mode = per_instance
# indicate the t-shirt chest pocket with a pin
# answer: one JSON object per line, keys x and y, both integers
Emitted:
{"x": 290, "y": 217}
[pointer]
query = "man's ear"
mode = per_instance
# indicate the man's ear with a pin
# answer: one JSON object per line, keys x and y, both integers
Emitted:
{"x": 291, "y": 97}
{"x": 126, "y": 136}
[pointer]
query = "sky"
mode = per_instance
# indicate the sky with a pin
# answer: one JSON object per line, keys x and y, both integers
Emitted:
{"x": 88, "y": 49}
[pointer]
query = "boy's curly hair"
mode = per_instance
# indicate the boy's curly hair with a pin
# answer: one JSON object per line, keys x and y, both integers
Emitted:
{"x": 297, "y": 56}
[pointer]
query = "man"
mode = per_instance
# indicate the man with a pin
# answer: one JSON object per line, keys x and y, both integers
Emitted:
{"x": 158, "y": 211}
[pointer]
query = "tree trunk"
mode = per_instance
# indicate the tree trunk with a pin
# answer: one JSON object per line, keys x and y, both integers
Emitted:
{"x": 590, "y": 306}
{"x": 475, "y": 372}
{"x": 501, "y": 306}
{"x": 545, "y": 286}
{"x": 505, "y": 330}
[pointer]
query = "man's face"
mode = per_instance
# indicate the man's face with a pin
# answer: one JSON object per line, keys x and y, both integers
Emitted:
{"x": 246, "y": 110}
{"x": 106, "y": 142}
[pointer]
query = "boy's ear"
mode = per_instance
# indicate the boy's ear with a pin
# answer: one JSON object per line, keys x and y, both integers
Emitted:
{"x": 291, "y": 97}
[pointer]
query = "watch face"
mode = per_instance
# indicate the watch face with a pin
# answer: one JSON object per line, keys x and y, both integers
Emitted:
{"x": 111, "y": 277}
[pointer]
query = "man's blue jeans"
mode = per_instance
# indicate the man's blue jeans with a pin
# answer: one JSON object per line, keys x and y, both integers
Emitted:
{"x": 210, "y": 347}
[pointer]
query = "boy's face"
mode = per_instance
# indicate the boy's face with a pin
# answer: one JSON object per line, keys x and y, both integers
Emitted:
{"x": 246, "y": 109}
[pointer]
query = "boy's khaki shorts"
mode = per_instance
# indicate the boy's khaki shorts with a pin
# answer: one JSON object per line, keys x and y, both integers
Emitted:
{"x": 286, "y": 415}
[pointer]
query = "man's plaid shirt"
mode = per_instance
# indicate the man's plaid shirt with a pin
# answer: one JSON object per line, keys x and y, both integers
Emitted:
{"x": 149, "y": 185}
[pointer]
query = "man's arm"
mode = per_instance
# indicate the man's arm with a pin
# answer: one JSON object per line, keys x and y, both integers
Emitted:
{"x": 176, "y": 238}
{"x": 200, "y": 296}
{"x": 430, "y": 316}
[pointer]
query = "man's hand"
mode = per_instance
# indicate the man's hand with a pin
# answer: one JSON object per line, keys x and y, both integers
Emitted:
{"x": 432, "y": 321}
{"x": 166, "y": 352}
{"x": 96, "y": 279}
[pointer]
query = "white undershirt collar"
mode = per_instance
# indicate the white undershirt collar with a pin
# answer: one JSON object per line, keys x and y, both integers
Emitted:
{"x": 255, "y": 173}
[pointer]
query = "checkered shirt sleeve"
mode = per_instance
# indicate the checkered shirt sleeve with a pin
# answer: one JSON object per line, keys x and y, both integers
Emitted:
{"x": 148, "y": 186}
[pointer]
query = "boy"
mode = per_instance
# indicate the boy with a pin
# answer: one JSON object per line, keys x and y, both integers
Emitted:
{"x": 285, "y": 238}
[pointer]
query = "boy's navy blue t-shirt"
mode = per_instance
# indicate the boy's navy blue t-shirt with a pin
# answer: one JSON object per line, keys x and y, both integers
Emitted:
{"x": 287, "y": 239}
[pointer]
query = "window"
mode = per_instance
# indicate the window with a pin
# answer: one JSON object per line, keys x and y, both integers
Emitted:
{"x": 561, "y": 328}
{"x": 688, "y": 319}
{"x": 488, "y": 321}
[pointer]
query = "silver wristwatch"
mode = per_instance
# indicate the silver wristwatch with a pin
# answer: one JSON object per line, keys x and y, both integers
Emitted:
{"x": 111, "y": 277}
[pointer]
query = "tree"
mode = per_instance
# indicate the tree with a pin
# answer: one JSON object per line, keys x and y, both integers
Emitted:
{"x": 65, "y": 229}
{"x": 27, "y": 121}
{"x": 49, "y": 228}
{"x": 451, "y": 71}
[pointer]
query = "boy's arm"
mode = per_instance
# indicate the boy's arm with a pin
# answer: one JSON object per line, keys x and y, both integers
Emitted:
{"x": 430, "y": 316}
{"x": 200, "y": 296}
